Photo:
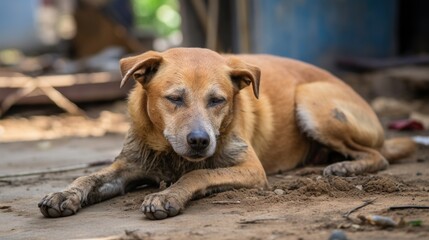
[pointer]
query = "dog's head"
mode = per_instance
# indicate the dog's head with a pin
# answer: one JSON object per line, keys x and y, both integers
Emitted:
{"x": 190, "y": 95}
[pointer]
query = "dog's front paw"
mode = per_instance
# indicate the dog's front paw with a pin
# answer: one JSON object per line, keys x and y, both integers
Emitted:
{"x": 161, "y": 205}
{"x": 59, "y": 204}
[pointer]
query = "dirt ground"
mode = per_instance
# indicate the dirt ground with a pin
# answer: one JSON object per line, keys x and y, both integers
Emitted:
{"x": 300, "y": 204}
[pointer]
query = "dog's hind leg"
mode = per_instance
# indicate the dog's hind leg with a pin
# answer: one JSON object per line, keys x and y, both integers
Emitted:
{"x": 334, "y": 115}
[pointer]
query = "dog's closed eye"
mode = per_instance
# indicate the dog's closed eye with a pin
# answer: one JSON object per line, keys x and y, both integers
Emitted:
{"x": 215, "y": 101}
{"x": 177, "y": 100}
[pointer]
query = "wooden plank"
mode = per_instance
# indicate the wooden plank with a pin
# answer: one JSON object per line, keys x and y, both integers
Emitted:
{"x": 78, "y": 88}
{"x": 16, "y": 80}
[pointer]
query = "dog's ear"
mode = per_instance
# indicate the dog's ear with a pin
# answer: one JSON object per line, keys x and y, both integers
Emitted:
{"x": 243, "y": 74}
{"x": 142, "y": 67}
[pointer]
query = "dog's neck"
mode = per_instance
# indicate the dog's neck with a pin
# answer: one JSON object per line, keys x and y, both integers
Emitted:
{"x": 168, "y": 166}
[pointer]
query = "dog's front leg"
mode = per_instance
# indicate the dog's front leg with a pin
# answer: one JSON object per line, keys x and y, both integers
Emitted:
{"x": 106, "y": 183}
{"x": 173, "y": 200}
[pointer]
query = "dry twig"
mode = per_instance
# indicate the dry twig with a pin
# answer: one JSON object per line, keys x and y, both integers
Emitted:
{"x": 408, "y": 206}
{"x": 226, "y": 202}
{"x": 366, "y": 203}
{"x": 58, "y": 170}
{"x": 260, "y": 220}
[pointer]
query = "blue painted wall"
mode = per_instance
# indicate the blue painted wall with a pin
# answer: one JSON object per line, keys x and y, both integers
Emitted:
{"x": 318, "y": 31}
{"x": 18, "y": 24}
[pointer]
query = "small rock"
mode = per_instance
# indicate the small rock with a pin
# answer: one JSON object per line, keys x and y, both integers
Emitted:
{"x": 359, "y": 187}
{"x": 279, "y": 191}
{"x": 44, "y": 145}
{"x": 418, "y": 173}
{"x": 338, "y": 235}
{"x": 197, "y": 233}
{"x": 355, "y": 226}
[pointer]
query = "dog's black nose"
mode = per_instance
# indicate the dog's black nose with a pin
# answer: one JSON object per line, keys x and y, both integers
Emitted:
{"x": 198, "y": 140}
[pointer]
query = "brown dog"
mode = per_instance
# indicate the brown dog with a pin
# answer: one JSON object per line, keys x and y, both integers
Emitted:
{"x": 197, "y": 125}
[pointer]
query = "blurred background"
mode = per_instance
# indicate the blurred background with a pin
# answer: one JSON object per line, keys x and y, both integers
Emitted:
{"x": 59, "y": 59}
{"x": 63, "y": 115}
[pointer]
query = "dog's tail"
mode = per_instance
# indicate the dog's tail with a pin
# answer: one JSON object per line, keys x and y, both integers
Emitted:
{"x": 397, "y": 148}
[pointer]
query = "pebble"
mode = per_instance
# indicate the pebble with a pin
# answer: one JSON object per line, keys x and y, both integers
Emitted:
{"x": 44, "y": 145}
{"x": 279, "y": 191}
{"x": 338, "y": 235}
{"x": 360, "y": 187}
{"x": 355, "y": 226}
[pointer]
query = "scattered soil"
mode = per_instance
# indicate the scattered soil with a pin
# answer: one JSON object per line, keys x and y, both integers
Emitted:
{"x": 300, "y": 204}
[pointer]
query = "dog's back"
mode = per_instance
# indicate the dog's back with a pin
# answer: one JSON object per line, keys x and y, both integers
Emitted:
{"x": 277, "y": 139}
{"x": 294, "y": 98}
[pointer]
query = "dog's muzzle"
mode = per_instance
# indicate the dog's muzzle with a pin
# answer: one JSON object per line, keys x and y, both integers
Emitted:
{"x": 198, "y": 140}
{"x": 196, "y": 146}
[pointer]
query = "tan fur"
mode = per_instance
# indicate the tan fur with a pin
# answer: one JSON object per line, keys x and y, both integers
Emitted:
{"x": 258, "y": 114}
{"x": 398, "y": 148}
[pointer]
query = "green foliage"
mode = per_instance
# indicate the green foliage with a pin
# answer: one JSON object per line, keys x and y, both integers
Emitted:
{"x": 160, "y": 17}
{"x": 415, "y": 223}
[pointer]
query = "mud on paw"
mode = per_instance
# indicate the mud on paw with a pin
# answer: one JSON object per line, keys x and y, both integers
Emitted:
{"x": 343, "y": 169}
{"x": 59, "y": 204}
{"x": 161, "y": 205}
